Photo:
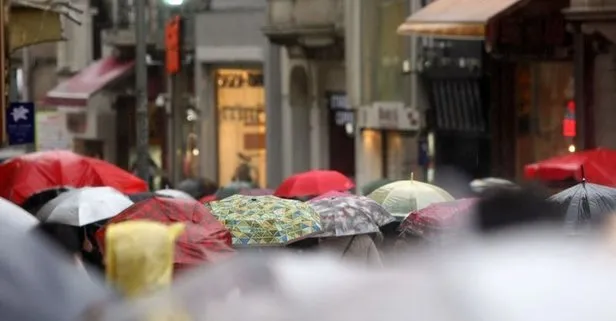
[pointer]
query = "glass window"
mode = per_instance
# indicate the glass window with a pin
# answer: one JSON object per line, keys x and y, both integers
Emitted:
{"x": 241, "y": 126}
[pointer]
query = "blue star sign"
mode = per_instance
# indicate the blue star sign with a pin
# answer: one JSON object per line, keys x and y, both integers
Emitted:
{"x": 20, "y": 123}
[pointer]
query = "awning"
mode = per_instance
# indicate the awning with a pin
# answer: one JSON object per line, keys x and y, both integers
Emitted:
{"x": 31, "y": 26}
{"x": 458, "y": 18}
{"x": 77, "y": 90}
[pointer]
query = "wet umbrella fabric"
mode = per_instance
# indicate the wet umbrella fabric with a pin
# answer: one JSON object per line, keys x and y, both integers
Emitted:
{"x": 40, "y": 283}
{"x": 372, "y": 186}
{"x": 266, "y": 220}
{"x": 26, "y": 175}
{"x": 232, "y": 189}
{"x": 204, "y": 239}
{"x": 439, "y": 217}
{"x": 84, "y": 206}
{"x": 138, "y": 197}
{"x": 174, "y": 193}
{"x": 313, "y": 183}
{"x": 349, "y": 215}
{"x": 34, "y": 203}
{"x": 585, "y": 203}
{"x": 402, "y": 197}
{"x": 15, "y": 216}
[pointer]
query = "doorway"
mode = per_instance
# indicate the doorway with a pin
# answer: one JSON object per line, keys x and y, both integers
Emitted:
{"x": 341, "y": 134}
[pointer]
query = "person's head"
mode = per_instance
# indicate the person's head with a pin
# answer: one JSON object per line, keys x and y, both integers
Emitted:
{"x": 64, "y": 236}
{"x": 501, "y": 209}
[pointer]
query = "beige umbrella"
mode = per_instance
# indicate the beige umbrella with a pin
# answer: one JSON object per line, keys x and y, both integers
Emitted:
{"x": 405, "y": 196}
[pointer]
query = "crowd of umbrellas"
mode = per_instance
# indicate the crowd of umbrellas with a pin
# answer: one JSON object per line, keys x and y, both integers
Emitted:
{"x": 144, "y": 241}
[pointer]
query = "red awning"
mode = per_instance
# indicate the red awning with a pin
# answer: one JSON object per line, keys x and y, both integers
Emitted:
{"x": 77, "y": 90}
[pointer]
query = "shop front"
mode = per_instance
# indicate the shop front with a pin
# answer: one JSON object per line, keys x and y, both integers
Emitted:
{"x": 520, "y": 82}
{"x": 230, "y": 96}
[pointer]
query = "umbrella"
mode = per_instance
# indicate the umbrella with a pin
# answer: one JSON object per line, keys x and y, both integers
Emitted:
{"x": 256, "y": 191}
{"x": 174, "y": 193}
{"x": 197, "y": 187}
{"x": 266, "y": 220}
{"x": 84, "y": 206}
{"x": 41, "y": 283}
{"x": 14, "y": 216}
{"x": 585, "y": 203}
{"x": 438, "y": 217}
{"x": 232, "y": 189}
{"x": 204, "y": 238}
{"x": 207, "y": 199}
{"x": 34, "y": 203}
{"x": 372, "y": 186}
{"x": 349, "y": 215}
{"x": 138, "y": 197}
{"x": 402, "y": 197}
{"x": 482, "y": 184}
{"x": 313, "y": 183}
{"x": 596, "y": 165}
{"x": 26, "y": 175}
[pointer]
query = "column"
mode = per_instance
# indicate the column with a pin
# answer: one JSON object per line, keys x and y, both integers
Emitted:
{"x": 208, "y": 129}
{"x": 273, "y": 112}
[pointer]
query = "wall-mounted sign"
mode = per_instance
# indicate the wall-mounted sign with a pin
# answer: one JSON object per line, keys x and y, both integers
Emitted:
{"x": 173, "y": 45}
{"x": 389, "y": 116}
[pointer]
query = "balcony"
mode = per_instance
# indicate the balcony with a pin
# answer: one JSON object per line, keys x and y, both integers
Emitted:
{"x": 305, "y": 23}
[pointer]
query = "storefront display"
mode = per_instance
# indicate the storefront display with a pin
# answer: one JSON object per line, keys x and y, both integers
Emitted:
{"x": 241, "y": 125}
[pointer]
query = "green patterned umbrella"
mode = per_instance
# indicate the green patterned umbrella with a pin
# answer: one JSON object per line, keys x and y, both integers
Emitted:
{"x": 402, "y": 197}
{"x": 266, "y": 220}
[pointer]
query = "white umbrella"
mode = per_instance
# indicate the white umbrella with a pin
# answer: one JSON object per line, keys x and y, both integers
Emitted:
{"x": 480, "y": 185}
{"x": 174, "y": 193}
{"x": 15, "y": 216}
{"x": 84, "y": 206}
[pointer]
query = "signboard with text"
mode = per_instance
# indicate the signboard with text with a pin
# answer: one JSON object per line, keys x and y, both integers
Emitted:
{"x": 20, "y": 123}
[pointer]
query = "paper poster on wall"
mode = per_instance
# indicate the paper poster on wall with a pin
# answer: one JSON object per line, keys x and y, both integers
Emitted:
{"x": 51, "y": 131}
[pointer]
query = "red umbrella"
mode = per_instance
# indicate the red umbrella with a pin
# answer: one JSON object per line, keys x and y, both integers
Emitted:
{"x": 26, "y": 175}
{"x": 207, "y": 198}
{"x": 204, "y": 239}
{"x": 311, "y": 183}
{"x": 438, "y": 216}
{"x": 597, "y": 165}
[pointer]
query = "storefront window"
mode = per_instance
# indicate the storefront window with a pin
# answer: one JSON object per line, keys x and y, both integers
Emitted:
{"x": 241, "y": 126}
{"x": 544, "y": 91}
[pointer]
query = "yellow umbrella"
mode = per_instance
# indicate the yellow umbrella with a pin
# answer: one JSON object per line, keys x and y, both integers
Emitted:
{"x": 405, "y": 196}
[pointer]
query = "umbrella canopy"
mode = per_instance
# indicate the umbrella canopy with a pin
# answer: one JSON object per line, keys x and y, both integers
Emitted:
{"x": 204, "y": 239}
{"x": 372, "y": 186}
{"x": 402, "y": 197}
{"x": 26, "y": 175}
{"x": 34, "y": 203}
{"x": 349, "y": 215}
{"x": 41, "y": 283}
{"x": 138, "y": 197}
{"x": 266, "y": 220}
{"x": 482, "y": 184}
{"x": 232, "y": 189}
{"x": 585, "y": 203}
{"x": 174, "y": 193}
{"x": 438, "y": 217}
{"x": 596, "y": 165}
{"x": 84, "y": 206}
{"x": 256, "y": 191}
{"x": 207, "y": 199}
{"x": 14, "y": 216}
{"x": 313, "y": 183}
{"x": 197, "y": 187}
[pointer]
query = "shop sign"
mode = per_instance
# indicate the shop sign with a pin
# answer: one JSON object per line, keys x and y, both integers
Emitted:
{"x": 389, "y": 116}
{"x": 250, "y": 116}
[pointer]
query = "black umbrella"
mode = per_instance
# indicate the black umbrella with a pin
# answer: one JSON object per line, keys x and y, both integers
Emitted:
{"x": 585, "y": 203}
{"x": 33, "y": 203}
{"x": 197, "y": 187}
{"x": 138, "y": 197}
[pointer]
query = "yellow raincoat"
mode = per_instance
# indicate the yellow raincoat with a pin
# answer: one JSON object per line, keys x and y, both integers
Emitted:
{"x": 139, "y": 256}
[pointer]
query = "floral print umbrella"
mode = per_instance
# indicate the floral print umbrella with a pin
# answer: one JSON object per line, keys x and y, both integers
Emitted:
{"x": 346, "y": 215}
{"x": 402, "y": 197}
{"x": 266, "y": 220}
